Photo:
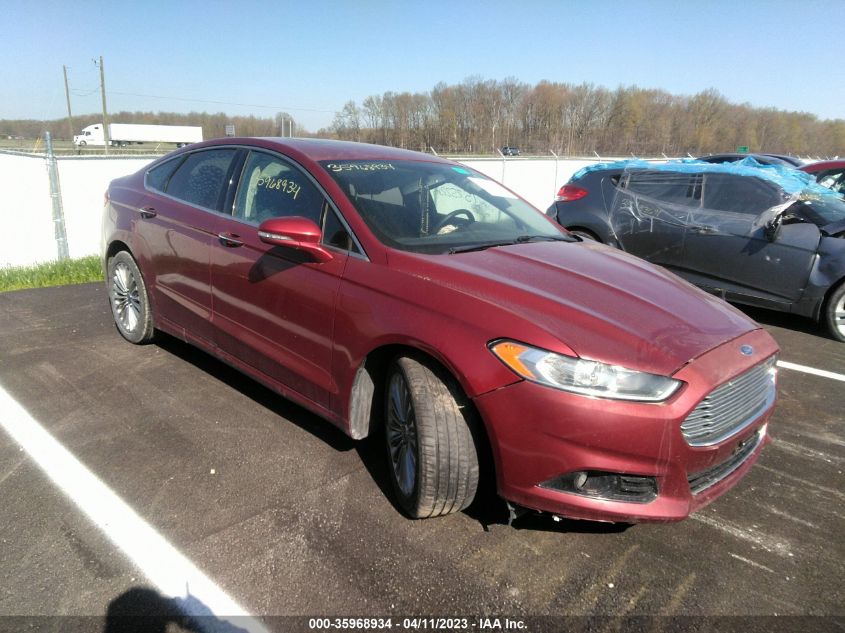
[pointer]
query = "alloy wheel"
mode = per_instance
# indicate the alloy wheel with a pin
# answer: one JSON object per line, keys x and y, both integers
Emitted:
{"x": 402, "y": 434}
{"x": 126, "y": 301}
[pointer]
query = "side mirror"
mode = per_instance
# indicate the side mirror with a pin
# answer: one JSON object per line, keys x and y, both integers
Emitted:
{"x": 772, "y": 229}
{"x": 295, "y": 232}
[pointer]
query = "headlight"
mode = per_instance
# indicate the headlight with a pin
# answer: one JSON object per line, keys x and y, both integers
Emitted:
{"x": 585, "y": 377}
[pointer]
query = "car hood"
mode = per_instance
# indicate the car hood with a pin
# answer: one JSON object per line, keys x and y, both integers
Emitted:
{"x": 600, "y": 302}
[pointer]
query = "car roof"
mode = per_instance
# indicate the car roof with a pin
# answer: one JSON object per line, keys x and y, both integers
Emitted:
{"x": 324, "y": 149}
{"x": 763, "y": 158}
{"x": 823, "y": 165}
{"x": 789, "y": 179}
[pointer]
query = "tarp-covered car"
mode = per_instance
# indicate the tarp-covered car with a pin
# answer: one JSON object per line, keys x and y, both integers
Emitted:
{"x": 755, "y": 234}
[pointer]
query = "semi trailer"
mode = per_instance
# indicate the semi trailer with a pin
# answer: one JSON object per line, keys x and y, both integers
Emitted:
{"x": 123, "y": 134}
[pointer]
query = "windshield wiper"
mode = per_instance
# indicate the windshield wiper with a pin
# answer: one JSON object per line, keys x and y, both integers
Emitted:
{"x": 522, "y": 239}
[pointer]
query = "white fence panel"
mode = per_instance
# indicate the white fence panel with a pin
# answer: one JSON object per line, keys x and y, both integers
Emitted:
{"x": 84, "y": 181}
{"x": 26, "y": 212}
{"x": 535, "y": 179}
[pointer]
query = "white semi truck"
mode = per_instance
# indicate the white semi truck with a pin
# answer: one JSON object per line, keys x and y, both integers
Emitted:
{"x": 122, "y": 134}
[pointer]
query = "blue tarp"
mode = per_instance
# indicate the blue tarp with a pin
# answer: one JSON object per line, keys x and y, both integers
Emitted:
{"x": 793, "y": 182}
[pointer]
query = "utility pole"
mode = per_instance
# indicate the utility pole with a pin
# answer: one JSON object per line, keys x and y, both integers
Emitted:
{"x": 106, "y": 135}
{"x": 69, "y": 115}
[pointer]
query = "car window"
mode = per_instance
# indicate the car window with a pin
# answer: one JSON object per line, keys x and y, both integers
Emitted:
{"x": 739, "y": 194}
{"x": 272, "y": 188}
{"x": 431, "y": 207}
{"x": 833, "y": 179}
{"x": 158, "y": 176}
{"x": 821, "y": 209}
{"x": 672, "y": 187}
{"x": 201, "y": 178}
{"x": 335, "y": 233}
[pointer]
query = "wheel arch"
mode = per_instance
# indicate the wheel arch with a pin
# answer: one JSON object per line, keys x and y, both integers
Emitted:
{"x": 575, "y": 228}
{"x": 114, "y": 248}
{"x": 367, "y": 386}
{"x": 368, "y": 393}
{"x": 828, "y": 297}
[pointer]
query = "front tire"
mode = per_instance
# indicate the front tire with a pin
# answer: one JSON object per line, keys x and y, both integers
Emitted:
{"x": 584, "y": 234}
{"x": 130, "y": 304}
{"x": 834, "y": 313}
{"x": 430, "y": 448}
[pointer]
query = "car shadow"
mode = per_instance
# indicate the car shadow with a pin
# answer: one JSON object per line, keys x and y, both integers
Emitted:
{"x": 536, "y": 522}
{"x": 257, "y": 392}
{"x": 370, "y": 450}
{"x": 783, "y": 320}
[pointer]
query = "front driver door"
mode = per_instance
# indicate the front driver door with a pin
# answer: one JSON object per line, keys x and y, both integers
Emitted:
{"x": 274, "y": 307}
{"x": 726, "y": 248}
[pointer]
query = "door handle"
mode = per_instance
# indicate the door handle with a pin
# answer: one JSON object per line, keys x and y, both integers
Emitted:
{"x": 229, "y": 240}
{"x": 704, "y": 229}
{"x": 147, "y": 212}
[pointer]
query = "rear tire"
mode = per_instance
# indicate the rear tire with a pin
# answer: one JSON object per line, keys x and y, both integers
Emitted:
{"x": 834, "y": 313}
{"x": 130, "y": 304}
{"x": 431, "y": 454}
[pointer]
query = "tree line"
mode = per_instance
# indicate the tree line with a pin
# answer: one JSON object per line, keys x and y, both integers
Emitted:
{"x": 478, "y": 116}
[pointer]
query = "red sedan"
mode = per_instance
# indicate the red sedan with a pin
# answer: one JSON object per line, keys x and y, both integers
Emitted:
{"x": 829, "y": 173}
{"x": 397, "y": 292}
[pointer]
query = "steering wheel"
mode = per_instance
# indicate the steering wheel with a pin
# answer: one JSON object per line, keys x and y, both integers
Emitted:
{"x": 470, "y": 218}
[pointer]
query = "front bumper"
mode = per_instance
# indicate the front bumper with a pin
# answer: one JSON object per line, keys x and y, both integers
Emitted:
{"x": 538, "y": 434}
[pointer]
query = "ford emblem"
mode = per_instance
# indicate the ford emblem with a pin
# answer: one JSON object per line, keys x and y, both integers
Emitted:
{"x": 746, "y": 350}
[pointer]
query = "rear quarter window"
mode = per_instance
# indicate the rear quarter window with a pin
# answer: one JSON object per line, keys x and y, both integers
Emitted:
{"x": 201, "y": 178}
{"x": 671, "y": 187}
{"x": 158, "y": 176}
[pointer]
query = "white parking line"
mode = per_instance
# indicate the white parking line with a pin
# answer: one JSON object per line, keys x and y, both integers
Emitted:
{"x": 169, "y": 570}
{"x": 811, "y": 370}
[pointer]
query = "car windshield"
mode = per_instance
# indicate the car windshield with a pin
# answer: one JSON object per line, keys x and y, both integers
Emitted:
{"x": 822, "y": 208}
{"x": 437, "y": 208}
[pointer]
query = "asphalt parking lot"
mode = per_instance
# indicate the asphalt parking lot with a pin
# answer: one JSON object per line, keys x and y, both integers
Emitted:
{"x": 291, "y": 518}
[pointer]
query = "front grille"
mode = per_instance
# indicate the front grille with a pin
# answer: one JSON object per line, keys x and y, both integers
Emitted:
{"x": 732, "y": 406}
{"x": 706, "y": 478}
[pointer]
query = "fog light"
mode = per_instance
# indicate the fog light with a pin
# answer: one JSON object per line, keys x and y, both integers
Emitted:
{"x": 579, "y": 479}
{"x": 604, "y": 485}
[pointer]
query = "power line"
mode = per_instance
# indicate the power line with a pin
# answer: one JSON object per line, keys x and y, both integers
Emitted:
{"x": 231, "y": 103}
{"x": 78, "y": 92}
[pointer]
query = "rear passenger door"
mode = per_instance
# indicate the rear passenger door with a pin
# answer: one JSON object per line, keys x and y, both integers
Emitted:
{"x": 176, "y": 221}
{"x": 650, "y": 213}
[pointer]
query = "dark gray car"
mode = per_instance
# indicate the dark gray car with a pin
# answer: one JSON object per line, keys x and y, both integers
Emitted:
{"x": 768, "y": 237}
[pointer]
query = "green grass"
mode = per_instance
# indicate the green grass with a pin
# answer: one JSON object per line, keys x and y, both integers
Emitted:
{"x": 58, "y": 273}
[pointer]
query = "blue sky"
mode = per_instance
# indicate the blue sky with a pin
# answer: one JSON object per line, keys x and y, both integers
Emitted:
{"x": 310, "y": 57}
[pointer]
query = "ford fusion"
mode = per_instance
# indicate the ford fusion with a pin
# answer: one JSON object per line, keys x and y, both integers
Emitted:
{"x": 399, "y": 293}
